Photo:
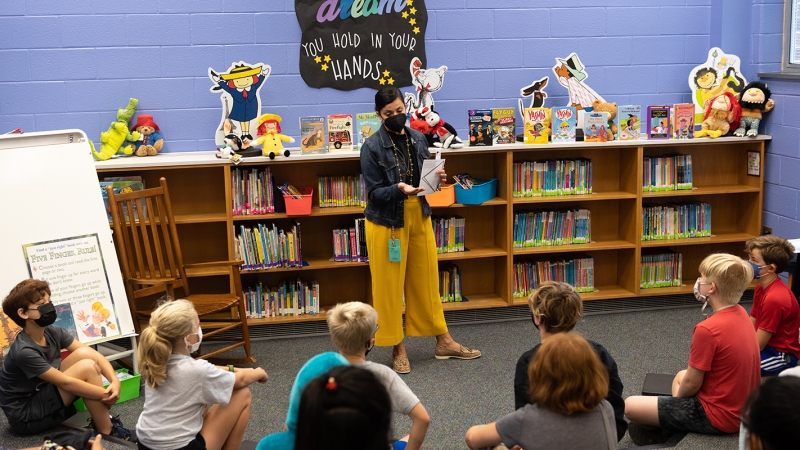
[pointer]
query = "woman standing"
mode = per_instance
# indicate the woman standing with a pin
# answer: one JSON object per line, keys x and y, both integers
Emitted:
{"x": 400, "y": 241}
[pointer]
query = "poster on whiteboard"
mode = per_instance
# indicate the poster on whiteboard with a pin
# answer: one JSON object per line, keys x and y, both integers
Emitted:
{"x": 79, "y": 286}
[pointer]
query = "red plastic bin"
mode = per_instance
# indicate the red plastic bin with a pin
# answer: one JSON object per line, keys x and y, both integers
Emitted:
{"x": 299, "y": 206}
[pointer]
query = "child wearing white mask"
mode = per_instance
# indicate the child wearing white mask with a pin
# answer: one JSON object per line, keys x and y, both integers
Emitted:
{"x": 189, "y": 403}
{"x": 723, "y": 363}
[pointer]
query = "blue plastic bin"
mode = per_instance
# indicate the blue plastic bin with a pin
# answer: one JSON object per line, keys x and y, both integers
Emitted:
{"x": 479, "y": 193}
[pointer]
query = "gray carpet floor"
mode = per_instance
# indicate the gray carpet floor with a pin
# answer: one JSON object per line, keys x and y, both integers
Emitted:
{"x": 459, "y": 394}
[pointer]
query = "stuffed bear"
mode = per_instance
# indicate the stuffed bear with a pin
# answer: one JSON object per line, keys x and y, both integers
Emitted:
{"x": 150, "y": 142}
{"x": 611, "y": 109}
{"x": 754, "y": 100}
{"x": 436, "y": 131}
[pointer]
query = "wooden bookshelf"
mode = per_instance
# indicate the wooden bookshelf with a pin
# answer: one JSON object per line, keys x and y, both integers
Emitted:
{"x": 200, "y": 190}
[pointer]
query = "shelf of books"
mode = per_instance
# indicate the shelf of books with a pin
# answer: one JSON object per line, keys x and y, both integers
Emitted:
{"x": 619, "y": 219}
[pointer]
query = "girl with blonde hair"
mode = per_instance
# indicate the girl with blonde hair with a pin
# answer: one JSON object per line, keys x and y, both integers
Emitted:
{"x": 189, "y": 403}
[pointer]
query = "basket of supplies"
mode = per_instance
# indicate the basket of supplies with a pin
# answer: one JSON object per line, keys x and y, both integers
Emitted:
{"x": 299, "y": 205}
{"x": 444, "y": 197}
{"x": 480, "y": 192}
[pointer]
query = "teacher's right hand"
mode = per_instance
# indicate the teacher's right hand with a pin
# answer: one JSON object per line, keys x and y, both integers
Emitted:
{"x": 408, "y": 189}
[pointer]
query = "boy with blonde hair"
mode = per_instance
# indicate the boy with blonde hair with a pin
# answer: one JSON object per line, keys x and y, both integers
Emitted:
{"x": 353, "y": 326}
{"x": 556, "y": 308}
{"x": 723, "y": 362}
{"x": 775, "y": 314}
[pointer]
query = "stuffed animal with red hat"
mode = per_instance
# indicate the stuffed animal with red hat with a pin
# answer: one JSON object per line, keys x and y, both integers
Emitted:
{"x": 150, "y": 142}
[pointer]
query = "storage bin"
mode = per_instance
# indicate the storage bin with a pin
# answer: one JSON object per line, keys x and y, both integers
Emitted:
{"x": 442, "y": 198}
{"x": 299, "y": 206}
{"x": 129, "y": 389}
{"x": 479, "y": 193}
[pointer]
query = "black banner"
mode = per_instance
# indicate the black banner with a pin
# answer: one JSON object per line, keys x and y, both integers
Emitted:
{"x": 350, "y": 44}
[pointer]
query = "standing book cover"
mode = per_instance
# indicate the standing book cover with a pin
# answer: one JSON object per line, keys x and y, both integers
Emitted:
{"x": 683, "y": 121}
{"x": 340, "y": 133}
{"x": 480, "y": 127}
{"x": 312, "y": 135}
{"x": 503, "y": 123}
{"x": 564, "y": 123}
{"x": 630, "y": 122}
{"x": 594, "y": 127}
{"x": 537, "y": 125}
{"x": 658, "y": 122}
{"x": 367, "y": 124}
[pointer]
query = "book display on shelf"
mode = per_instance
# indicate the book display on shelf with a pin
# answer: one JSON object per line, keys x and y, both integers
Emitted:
{"x": 480, "y": 127}
{"x": 263, "y": 247}
{"x": 204, "y": 191}
{"x": 546, "y": 228}
{"x": 683, "y": 121}
{"x": 552, "y": 178}
{"x": 676, "y": 221}
{"x": 340, "y": 133}
{"x": 579, "y": 273}
{"x": 564, "y": 123}
{"x": 350, "y": 244}
{"x": 252, "y": 191}
{"x": 293, "y": 297}
{"x": 450, "y": 283}
{"x": 666, "y": 173}
{"x": 630, "y": 122}
{"x": 661, "y": 270}
{"x": 122, "y": 185}
{"x": 312, "y": 135}
{"x": 347, "y": 190}
{"x": 594, "y": 126}
{"x": 449, "y": 233}
{"x": 504, "y": 125}
{"x": 537, "y": 126}
{"x": 367, "y": 124}
{"x": 658, "y": 122}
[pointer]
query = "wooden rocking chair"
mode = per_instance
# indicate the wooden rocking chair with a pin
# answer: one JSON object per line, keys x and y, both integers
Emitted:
{"x": 152, "y": 264}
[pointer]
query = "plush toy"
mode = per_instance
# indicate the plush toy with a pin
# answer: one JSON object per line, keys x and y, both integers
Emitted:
{"x": 436, "y": 131}
{"x": 150, "y": 142}
{"x": 754, "y": 100}
{"x": 114, "y": 140}
{"x": 722, "y": 114}
{"x": 270, "y": 137}
{"x": 233, "y": 144}
{"x": 611, "y": 109}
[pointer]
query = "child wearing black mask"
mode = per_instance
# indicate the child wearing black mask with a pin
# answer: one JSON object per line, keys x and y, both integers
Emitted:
{"x": 400, "y": 236}
{"x": 37, "y": 388}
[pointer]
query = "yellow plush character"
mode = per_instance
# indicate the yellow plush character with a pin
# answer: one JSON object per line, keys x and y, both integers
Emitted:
{"x": 270, "y": 137}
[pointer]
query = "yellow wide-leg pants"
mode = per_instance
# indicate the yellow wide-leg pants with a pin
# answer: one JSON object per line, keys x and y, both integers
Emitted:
{"x": 416, "y": 275}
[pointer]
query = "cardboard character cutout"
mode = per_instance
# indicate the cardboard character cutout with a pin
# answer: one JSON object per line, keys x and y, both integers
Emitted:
{"x": 536, "y": 92}
{"x": 239, "y": 93}
{"x": 719, "y": 74}
{"x": 426, "y": 81}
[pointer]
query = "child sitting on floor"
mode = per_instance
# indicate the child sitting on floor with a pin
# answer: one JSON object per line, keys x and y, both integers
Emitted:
{"x": 775, "y": 313}
{"x": 723, "y": 363}
{"x": 37, "y": 388}
{"x": 353, "y": 326}
{"x": 189, "y": 403}
{"x": 556, "y": 308}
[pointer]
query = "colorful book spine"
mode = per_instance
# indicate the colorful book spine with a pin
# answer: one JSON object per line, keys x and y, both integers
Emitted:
{"x": 449, "y": 234}
{"x": 577, "y": 272}
{"x": 252, "y": 191}
{"x": 548, "y": 228}
{"x": 293, "y": 297}
{"x": 661, "y": 270}
{"x": 347, "y": 190}
{"x": 666, "y": 173}
{"x": 552, "y": 178}
{"x": 350, "y": 244}
{"x": 450, "y": 283}
{"x": 262, "y": 247}
{"x": 676, "y": 221}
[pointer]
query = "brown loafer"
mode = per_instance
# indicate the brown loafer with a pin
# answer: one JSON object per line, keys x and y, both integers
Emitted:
{"x": 443, "y": 352}
{"x": 400, "y": 364}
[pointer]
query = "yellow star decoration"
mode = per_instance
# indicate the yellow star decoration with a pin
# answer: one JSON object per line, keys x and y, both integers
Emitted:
{"x": 410, "y": 2}
{"x": 327, "y": 58}
{"x": 324, "y": 67}
{"x": 412, "y": 10}
{"x": 386, "y": 73}
{"x": 317, "y": 59}
{"x": 390, "y": 81}
{"x": 382, "y": 81}
{"x": 416, "y": 30}
{"x": 413, "y": 21}
{"x": 405, "y": 15}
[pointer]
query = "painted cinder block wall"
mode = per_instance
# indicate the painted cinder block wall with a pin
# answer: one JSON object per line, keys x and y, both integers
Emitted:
{"x": 72, "y": 64}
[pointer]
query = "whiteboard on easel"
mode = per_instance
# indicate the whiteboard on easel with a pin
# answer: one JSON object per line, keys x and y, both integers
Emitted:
{"x": 55, "y": 228}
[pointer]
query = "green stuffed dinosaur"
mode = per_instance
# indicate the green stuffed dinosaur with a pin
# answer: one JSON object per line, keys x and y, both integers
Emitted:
{"x": 112, "y": 142}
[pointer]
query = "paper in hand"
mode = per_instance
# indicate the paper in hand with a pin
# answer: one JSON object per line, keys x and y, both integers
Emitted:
{"x": 429, "y": 179}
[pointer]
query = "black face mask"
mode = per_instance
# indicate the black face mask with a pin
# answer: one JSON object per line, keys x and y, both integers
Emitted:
{"x": 396, "y": 123}
{"x": 47, "y": 315}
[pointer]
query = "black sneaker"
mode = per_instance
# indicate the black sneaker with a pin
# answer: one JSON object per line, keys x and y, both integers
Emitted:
{"x": 120, "y": 432}
{"x": 644, "y": 436}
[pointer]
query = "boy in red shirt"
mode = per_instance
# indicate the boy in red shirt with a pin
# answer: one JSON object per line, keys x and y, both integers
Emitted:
{"x": 775, "y": 314}
{"x": 723, "y": 363}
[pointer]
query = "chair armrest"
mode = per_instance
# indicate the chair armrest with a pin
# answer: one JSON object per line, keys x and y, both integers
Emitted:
{"x": 153, "y": 281}
{"x": 212, "y": 264}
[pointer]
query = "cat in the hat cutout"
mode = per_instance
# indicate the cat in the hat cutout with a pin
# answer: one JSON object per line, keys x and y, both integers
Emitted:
{"x": 427, "y": 81}
{"x": 572, "y": 75}
{"x": 239, "y": 92}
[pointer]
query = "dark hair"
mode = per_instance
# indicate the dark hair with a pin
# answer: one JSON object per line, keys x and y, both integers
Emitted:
{"x": 772, "y": 412}
{"x": 386, "y": 95}
{"x": 345, "y": 408}
{"x": 702, "y": 72}
{"x": 24, "y": 294}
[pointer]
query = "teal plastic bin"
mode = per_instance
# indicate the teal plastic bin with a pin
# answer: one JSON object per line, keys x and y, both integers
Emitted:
{"x": 481, "y": 192}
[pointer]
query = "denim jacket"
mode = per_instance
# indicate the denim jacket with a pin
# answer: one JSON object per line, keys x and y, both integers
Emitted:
{"x": 385, "y": 199}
